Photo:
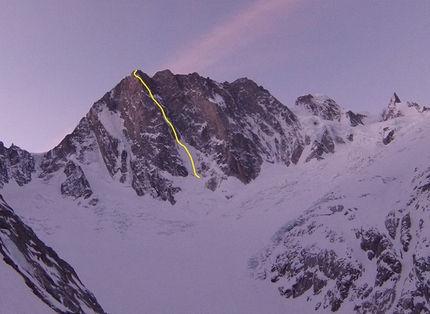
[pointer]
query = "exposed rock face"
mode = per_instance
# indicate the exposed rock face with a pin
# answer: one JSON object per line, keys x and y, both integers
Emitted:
{"x": 310, "y": 268}
{"x": 355, "y": 118}
{"x": 415, "y": 105}
{"x": 321, "y": 106}
{"x": 392, "y": 111}
{"x": 313, "y": 256}
{"x": 388, "y": 136}
{"x": 231, "y": 129}
{"x": 15, "y": 164}
{"x": 80, "y": 144}
{"x": 76, "y": 184}
{"x": 325, "y": 144}
{"x": 415, "y": 292}
{"x": 396, "y": 109}
{"x": 49, "y": 277}
{"x": 238, "y": 124}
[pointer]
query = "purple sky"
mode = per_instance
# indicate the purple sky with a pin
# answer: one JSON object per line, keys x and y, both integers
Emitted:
{"x": 58, "y": 57}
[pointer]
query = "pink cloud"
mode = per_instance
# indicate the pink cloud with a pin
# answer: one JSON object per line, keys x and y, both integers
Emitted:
{"x": 244, "y": 28}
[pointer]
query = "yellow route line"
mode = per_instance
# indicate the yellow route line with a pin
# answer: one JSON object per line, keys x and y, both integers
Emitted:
{"x": 168, "y": 122}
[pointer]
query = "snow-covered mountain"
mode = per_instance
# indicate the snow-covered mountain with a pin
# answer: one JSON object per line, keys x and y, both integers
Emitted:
{"x": 232, "y": 128}
{"x": 312, "y": 207}
{"x": 363, "y": 246}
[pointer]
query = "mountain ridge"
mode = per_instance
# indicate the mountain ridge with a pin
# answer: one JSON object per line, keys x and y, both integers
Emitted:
{"x": 97, "y": 131}
{"x": 316, "y": 165}
{"x": 125, "y": 121}
{"x": 50, "y": 278}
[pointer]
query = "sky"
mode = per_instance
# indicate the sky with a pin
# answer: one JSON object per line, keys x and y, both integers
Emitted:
{"x": 58, "y": 57}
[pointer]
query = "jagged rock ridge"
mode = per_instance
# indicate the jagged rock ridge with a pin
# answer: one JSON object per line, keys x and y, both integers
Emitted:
{"x": 396, "y": 108}
{"x": 327, "y": 253}
{"x": 15, "y": 164}
{"x": 236, "y": 125}
{"x": 50, "y": 278}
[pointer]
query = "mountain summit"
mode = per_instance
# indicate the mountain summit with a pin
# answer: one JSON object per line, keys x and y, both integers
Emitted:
{"x": 232, "y": 128}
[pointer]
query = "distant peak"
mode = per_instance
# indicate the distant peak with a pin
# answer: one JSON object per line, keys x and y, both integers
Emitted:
{"x": 395, "y": 99}
{"x": 397, "y": 109}
{"x": 321, "y": 106}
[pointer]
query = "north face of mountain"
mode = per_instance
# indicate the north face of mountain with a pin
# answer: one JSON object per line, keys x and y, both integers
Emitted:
{"x": 50, "y": 278}
{"x": 230, "y": 129}
{"x": 239, "y": 124}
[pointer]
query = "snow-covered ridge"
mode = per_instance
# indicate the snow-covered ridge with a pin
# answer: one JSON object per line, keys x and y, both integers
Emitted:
{"x": 362, "y": 247}
{"x": 323, "y": 176}
{"x": 49, "y": 277}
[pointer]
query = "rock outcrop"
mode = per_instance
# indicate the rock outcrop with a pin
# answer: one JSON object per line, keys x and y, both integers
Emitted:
{"x": 355, "y": 119}
{"x": 388, "y": 136}
{"x": 15, "y": 164}
{"x": 325, "y": 125}
{"x": 392, "y": 111}
{"x": 396, "y": 109}
{"x": 76, "y": 184}
{"x": 325, "y": 144}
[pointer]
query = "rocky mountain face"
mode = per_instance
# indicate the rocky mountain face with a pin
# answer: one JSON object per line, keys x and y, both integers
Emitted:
{"x": 356, "y": 245}
{"x": 16, "y": 165}
{"x": 329, "y": 254}
{"x": 321, "y": 106}
{"x": 392, "y": 111}
{"x": 52, "y": 279}
{"x": 329, "y": 125}
{"x": 335, "y": 270}
{"x": 396, "y": 108}
{"x": 231, "y": 128}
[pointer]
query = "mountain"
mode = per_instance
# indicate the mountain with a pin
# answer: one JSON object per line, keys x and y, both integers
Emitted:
{"x": 396, "y": 108}
{"x": 298, "y": 209}
{"x": 232, "y": 128}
